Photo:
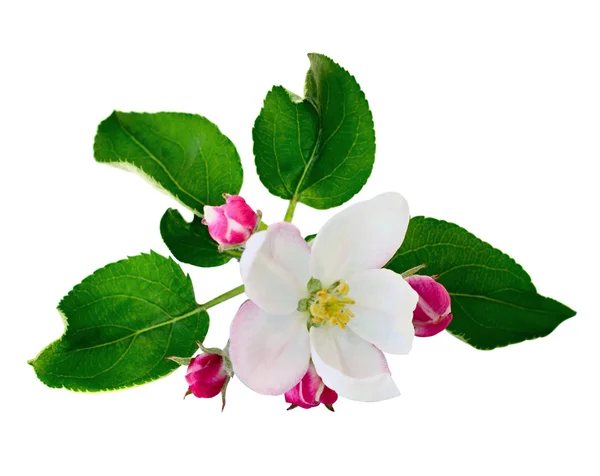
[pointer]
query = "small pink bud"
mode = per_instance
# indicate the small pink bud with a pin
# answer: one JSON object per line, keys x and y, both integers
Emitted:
{"x": 311, "y": 391}
{"x": 432, "y": 314}
{"x": 206, "y": 375}
{"x": 232, "y": 223}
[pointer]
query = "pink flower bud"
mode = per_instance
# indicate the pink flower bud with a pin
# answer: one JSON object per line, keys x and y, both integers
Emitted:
{"x": 432, "y": 314}
{"x": 206, "y": 375}
{"x": 232, "y": 223}
{"x": 311, "y": 391}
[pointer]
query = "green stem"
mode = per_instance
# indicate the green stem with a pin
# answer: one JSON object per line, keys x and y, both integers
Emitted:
{"x": 235, "y": 253}
{"x": 289, "y": 214}
{"x": 223, "y": 297}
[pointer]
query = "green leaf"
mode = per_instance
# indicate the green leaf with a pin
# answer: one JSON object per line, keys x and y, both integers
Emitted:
{"x": 123, "y": 322}
{"x": 494, "y": 302}
{"x": 319, "y": 150}
{"x": 190, "y": 242}
{"x": 185, "y": 154}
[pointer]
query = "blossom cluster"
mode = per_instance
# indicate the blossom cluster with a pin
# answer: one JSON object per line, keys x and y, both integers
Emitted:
{"x": 322, "y": 314}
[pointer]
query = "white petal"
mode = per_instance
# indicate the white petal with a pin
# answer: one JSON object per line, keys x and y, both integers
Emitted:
{"x": 275, "y": 268}
{"x": 363, "y": 236}
{"x": 350, "y": 365}
{"x": 269, "y": 353}
{"x": 384, "y": 308}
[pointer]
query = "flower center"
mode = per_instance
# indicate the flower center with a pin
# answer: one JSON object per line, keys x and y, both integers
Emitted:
{"x": 330, "y": 305}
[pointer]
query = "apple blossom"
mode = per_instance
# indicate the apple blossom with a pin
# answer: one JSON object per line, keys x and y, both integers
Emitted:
{"x": 232, "y": 223}
{"x": 331, "y": 302}
{"x": 432, "y": 314}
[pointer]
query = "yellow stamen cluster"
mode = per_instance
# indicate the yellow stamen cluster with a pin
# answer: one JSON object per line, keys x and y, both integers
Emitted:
{"x": 330, "y": 306}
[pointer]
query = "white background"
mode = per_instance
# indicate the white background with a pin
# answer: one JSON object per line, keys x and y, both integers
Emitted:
{"x": 487, "y": 114}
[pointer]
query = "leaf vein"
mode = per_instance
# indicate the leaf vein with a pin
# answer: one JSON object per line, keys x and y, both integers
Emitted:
{"x": 157, "y": 161}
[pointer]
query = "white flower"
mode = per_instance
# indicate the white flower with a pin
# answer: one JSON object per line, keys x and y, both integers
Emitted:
{"x": 351, "y": 314}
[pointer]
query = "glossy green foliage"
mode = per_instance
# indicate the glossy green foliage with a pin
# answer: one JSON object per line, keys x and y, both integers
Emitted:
{"x": 494, "y": 302}
{"x": 318, "y": 150}
{"x": 185, "y": 154}
{"x": 122, "y": 322}
{"x": 190, "y": 242}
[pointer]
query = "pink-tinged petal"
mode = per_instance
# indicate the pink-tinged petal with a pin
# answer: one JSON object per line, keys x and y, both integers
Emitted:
{"x": 205, "y": 368}
{"x": 294, "y": 397}
{"x": 274, "y": 268}
{"x": 218, "y": 225}
{"x": 328, "y": 396}
{"x": 232, "y": 223}
{"x": 204, "y": 360}
{"x": 304, "y": 393}
{"x": 438, "y": 299}
{"x": 432, "y": 314}
{"x": 350, "y": 365}
{"x": 383, "y": 313}
{"x": 206, "y": 391}
{"x": 206, "y": 375}
{"x": 237, "y": 209}
{"x": 237, "y": 236}
{"x": 210, "y": 375}
{"x": 310, "y": 391}
{"x": 270, "y": 353}
{"x": 432, "y": 328}
{"x": 363, "y": 236}
{"x": 309, "y": 386}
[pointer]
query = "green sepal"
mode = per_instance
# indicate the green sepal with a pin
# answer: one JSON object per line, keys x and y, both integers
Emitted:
{"x": 314, "y": 285}
{"x": 180, "y": 360}
{"x": 303, "y": 305}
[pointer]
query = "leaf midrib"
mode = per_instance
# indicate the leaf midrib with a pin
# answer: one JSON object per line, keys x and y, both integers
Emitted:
{"x": 134, "y": 334}
{"x": 313, "y": 158}
{"x": 314, "y": 155}
{"x": 157, "y": 161}
{"x": 525, "y": 279}
{"x": 499, "y": 301}
{"x": 505, "y": 329}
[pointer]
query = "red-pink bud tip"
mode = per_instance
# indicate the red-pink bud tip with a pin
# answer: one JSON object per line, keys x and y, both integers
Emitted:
{"x": 310, "y": 392}
{"x": 432, "y": 314}
{"x": 232, "y": 223}
{"x": 206, "y": 375}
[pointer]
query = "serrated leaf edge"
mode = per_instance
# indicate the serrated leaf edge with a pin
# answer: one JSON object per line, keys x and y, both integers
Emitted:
{"x": 297, "y": 195}
{"x": 137, "y": 383}
{"x": 138, "y": 170}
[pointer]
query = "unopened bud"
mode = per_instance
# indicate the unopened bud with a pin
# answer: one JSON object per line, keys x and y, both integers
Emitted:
{"x": 310, "y": 392}
{"x": 206, "y": 375}
{"x": 432, "y": 314}
{"x": 232, "y": 223}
